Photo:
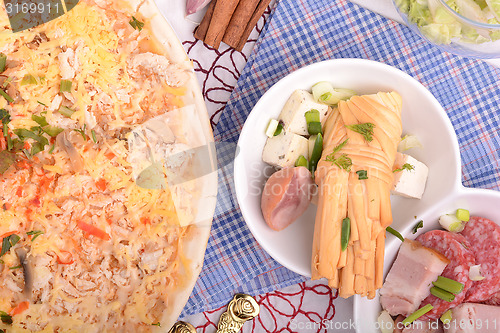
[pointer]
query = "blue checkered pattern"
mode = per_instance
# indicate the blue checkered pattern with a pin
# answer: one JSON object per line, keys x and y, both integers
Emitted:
{"x": 301, "y": 32}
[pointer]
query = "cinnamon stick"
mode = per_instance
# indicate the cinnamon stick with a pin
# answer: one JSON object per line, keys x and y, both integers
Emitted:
{"x": 239, "y": 22}
{"x": 257, "y": 14}
{"x": 201, "y": 31}
{"x": 223, "y": 11}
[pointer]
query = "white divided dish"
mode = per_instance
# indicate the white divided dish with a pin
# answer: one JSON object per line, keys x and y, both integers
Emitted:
{"x": 422, "y": 116}
{"x": 479, "y": 202}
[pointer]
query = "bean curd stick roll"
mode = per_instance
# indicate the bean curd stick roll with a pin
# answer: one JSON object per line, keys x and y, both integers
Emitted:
{"x": 354, "y": 177}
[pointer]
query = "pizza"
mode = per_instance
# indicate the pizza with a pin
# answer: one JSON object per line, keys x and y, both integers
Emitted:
{"x": 104, "y": 210}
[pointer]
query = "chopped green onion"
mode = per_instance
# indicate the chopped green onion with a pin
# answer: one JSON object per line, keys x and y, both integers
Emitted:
{"x": 279, "y": 129}
{"x": 4, "y": 117}
{"x": 314, "y": 128}
{"x": 37, "y": 130}
{"x": 365, "y": 129}
{"x": 16, "y": 267}
{"x": 3, "y": 62}
{"x": 449, "y": 285}
{"x": 316, "y": 153}
{"x": 52, "y": 131}
{"x": 25, "y": 133}
{"x": 345, "y": 233}
{"x": 41, "y": 103}
{"x": 395, "y": 233}
{"x": 417, "y": 314}
{"x": 446, "y": 317}
{"x": 406, "y": 166}
{"x": 463, "y": 214}
{"x": 136, "y": 24}
{"x": 65, "y": 111}
{"x": 442, "y": 294}
{"x": 362, "y": 174}
{"x": 6, "y": 135}
{"x": 157, "y": 324}
{"x": 313, "y": 121}
{"x": 82, "y": 132}
{"x": 301, "y": 161}
{"x": 325, "y": 97}
{"x": 311, "y": 141}
{"x": 65, "y": 86}
{"x": 40, "y": 120}
{"x": 7, "y": 81}
{"x": 9, "y": 242}
{"x": 10, "y": 144}
{"x": 420, "y": 224}
{"x": 27, "y": 153}
{"x": 312, "y": 116}
{"x": 92, "y": 132}
{"x": 36, "y": 148}
{"x": 324, "y": 92}
{"x": 409, "y": 141}
{"x": 28, "y": 79}
{"x": 6, "y": 318}
{"x": 271, "y": 128}
{"x": 36, "y": 133}
{"x": 6, "y": 96}
{"x": 35, "y": 234}
{"x": 274, "y": 128}
{"x": 451, "y": 223}
{"x": 51, "y": 150}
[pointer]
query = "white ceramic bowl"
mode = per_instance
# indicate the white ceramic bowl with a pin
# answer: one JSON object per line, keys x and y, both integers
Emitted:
{"x": 422, "y": 115}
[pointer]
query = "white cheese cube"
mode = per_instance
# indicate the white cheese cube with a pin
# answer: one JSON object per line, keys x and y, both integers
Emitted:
{"x": 284, "y": 149}
{"x": 293, "y": 113}
{"x": 409, "y": 183}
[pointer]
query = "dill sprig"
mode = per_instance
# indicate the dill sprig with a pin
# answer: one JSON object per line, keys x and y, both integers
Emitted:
{"x": 365, "y": 129}
{"x": 406, "y": 166}
{"x": 343, "y": 161}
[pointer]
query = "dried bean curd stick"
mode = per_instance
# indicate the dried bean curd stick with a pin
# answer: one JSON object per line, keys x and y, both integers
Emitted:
{"x": 336, "y": 195}
{"x": 367, "y": 143}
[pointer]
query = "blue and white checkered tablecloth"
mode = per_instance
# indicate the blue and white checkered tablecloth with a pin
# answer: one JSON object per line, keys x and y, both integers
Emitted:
{"x": 301, "y": 32}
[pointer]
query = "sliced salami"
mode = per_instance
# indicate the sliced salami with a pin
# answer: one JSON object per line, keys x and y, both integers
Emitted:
{"x": 484, "y": 239}
{"x": 456, "y": 248}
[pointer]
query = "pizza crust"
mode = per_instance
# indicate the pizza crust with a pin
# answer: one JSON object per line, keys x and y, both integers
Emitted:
{"x": 195, "y": 245}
